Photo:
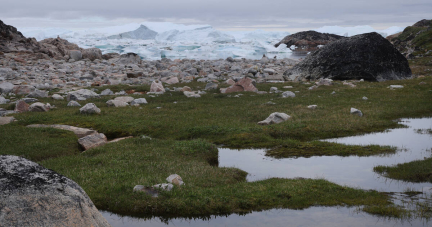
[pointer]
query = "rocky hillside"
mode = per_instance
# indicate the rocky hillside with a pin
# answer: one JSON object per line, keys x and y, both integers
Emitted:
{"x": 11, "y": 40}
{"x": 415, "y": 41}
{"x": 308, "y": 40}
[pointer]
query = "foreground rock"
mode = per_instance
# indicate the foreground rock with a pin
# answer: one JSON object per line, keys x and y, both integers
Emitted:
{"x": 308, "y": 40}
{"x": 368, "y": 56}
{"x": 31, "y": 195}
{"x": 245, "y": 84}
{"x": 275, "y": 118}
{"x": 357, "y": 112}
{"x": 93, "y": 140}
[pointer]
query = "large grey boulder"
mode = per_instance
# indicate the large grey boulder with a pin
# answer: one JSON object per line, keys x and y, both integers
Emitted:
{"x": 367, "y": 56}
{"x": 31, "y": 195}
{"x": 73, "y": 103}
{"x": 157, "y": 86}
{"x": 275, "y": 118}
{"x": 6, "y": 87}
{"x": 127, "y": 99}
{"x": 107, "y": 92}
{"x": 90, "y": 108}
{"x": 23, "y": 89}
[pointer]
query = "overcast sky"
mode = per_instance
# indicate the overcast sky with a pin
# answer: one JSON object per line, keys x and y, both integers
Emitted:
{"x": 283, "y": 15}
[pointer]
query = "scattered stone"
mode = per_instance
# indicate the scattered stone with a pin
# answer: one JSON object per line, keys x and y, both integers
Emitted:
{"x": 93, "y": 140}
{"x": 287, "y": 87}
{"x": 245, "y": 84}
{"x": 33, "y": 195}
{"x": 312, "y": 107}
{"x": 107, "y": 92}
{"x": 273, "y": 89}
{"x": 191, "y": 94}
{"x": 57, "y": 97}
{"x": 395, "y": 86}
{"x": 39, "y": 107}
{"x": 37, "y": 94}
{"x": 349, "y": 84}
{"x": 6, "y": 87}
{"x": 3, "y": 100}
{"x": 73, "y": 103}
{"x": 166, "y": 187}
{"x": 116, "y": 103}
{"x": 333, "y": 93}
{"x": 175, "y": 179}
{"x": 4, "y": 121}
{"x": 275, "y": 118}
{"x": 186, "y": 88}
{"x": 211, "y": 86}
{"x": 23, "y": 89}
{"x": 356, "y": 112}
{"x": 288, "y": 94}
{"x": 365, "y": 98}
{"x": 173, "y": 80}
{"x": 90, "y": 108}
{"x": 81, "y": 95}
{"x": 148, "y": 190}
{"x": 139, "y": 101}
{"x": 21, "y": 106}
{"x": 75, "y": 55}
{"x": 30, "y": 100}
{"x": 126, "y": 99}
{"x": 157, "y": 86}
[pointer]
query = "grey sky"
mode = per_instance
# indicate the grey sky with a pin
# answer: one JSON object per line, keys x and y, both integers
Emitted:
{"x": 221, "y": 14}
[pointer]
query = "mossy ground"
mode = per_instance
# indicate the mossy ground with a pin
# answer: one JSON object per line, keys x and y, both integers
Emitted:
{"x": 185, "y": 129}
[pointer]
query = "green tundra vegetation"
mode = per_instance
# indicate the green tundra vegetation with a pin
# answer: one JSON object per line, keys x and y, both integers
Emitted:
{"x": 185, "y": 134}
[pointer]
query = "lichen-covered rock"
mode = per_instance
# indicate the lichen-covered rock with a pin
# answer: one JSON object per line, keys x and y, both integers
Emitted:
{"x": 367, "y": 56}
{"x": 31, "y": 195}
{"x": 21, "y": 106}
{"x": 39, "y": 107}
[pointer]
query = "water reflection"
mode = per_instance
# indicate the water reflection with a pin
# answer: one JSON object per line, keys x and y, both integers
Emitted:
{"x": 314, "y": 216}
{"x": 351, "y": 171}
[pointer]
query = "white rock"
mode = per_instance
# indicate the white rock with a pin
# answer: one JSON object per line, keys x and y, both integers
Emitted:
{"x": 165, "y": 187}
{"x": 395, "y": 86}
{"x": 127, "y": 99}
{"x": 116, "y": 103}
{"x": 175, "y": 179}
{"x": 287, "y": 94}
{"x": 57, "y": 97}
{"x": 365, "y": 98}
{"x": 139, "y": 101}
{"x": 312, "y": 107}
{"x": 73, "y": 103}
{"x": 356, "y": 112}
{"x": 275, "y": 118}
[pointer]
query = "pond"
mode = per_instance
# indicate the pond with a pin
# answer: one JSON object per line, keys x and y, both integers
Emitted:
{"x": 413, "y": 142}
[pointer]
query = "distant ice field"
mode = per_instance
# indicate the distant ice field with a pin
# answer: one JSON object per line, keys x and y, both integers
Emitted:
{"x": 156, "y": 40}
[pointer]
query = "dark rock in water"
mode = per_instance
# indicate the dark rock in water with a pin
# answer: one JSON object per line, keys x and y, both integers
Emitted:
{"x": 33, "y": 195}
{"x": 308, "y": 40}
{"x": 414, "y": 41}
{"x": 367, "y": 56}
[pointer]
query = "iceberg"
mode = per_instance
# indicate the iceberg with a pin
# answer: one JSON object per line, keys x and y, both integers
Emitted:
{"x": 141, "y": 33}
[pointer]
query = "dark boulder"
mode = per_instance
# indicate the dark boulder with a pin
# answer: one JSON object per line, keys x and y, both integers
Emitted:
{"x": 308, "y": 40}
{"x": 31, "y": 195}
{"x": 367, "y": 56}
{"x": 11, "y": 40}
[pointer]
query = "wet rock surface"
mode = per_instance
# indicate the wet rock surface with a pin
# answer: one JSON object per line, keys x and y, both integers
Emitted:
{"x": 33, "y": 195}
{"x": 368, "y": 56}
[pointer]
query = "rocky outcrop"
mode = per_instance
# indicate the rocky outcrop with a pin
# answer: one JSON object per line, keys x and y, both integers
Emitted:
{"x": 414, "y": 41}
{"x": 367, "y": 56}
{"x": 11, "y": 40}
{"x": 31, "y": 195}
{"x": 308, "y": 40}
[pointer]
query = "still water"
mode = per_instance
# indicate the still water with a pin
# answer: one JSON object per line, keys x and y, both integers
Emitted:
{"x": 413, "y": 142}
